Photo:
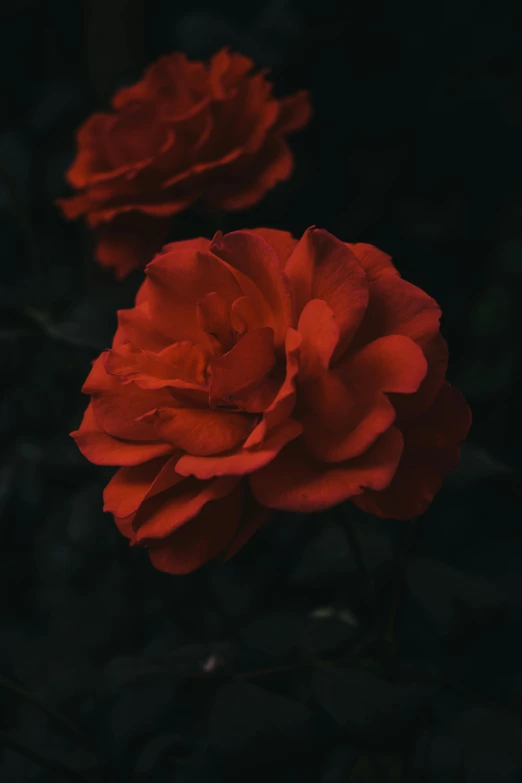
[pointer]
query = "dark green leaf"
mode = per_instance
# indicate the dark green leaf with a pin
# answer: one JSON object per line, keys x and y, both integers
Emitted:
{"x": 372, "y": 711}
{"x": 456, "y": 601}
{"x": 154, "y": 752}
{"x": 256, "y": 725}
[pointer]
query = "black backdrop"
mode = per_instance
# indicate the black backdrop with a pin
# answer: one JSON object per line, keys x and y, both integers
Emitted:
{"x": 234, "y": 673}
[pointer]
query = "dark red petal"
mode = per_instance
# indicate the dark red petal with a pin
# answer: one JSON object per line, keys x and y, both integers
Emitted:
{"x": 430, "y": 451}
{"x": 130, "y": 241}
{"x": 374, "y": 262}
{"x": 130, "y": 486}
{"x": 253, "y": 518}
{"x": 320, "y": 335}
{"x": 246, "y": 365}
{"x": 294, "y": 481}
{"x": 177, "y": 279}
{"x": 390, "y": 364}
{"x": 322, "y": 267}
{"x": 201, "y": 539}
{"x": 339, "y": 424}
{"x": 294, "y": 113}
{"x": 243, "y": 182}
{"x": 257, "y": 262}
{"x": 136, "y": 326}
{"x": 203, "y": 432}
{"x": 160, "y": 516}
{"x": 103, "y": 449}
{"x": 282, "y": 241}
{"x": 243, "y": 460}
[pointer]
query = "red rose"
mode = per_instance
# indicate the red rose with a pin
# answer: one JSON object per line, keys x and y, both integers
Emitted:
{"x": 256, "y": 372}
{"x": 186, "y": 131}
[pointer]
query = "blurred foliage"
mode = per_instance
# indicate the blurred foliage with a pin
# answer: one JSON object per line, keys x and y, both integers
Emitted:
{"x": 288, "y": 662}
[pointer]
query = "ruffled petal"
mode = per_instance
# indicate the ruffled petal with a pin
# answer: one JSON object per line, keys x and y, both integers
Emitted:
{"x": 294, "y": 112}
{"x": 177, "y": 279}
{"x": 256, "y": 261}
{"x": 243, "y": 460}
{"x": 120, "y": 408}
{"x": 253, "y": 517}
{"x": 204, "y": 538}
{"x": 320, "y": 335}
{"x": 129, "y": 241}
{"x": 160, "y": 516}
{"x": 281, "y": 241}
{"x": 131, "y": 486}
{"x": 244, "y": 371}
{"x": 390, "y": 364}
{"x": 294, "y": 481}
{"x": 202, "y": 432}
{"x": 322, "y": 267}
{"x": 340, "y": 424}
{"x": 374, "y": 262}
{"x": 103, "y": 449}
{"x": 431, "y": 449}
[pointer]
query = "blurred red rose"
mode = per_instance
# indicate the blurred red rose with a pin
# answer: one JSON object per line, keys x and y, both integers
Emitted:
{"x": 186, "y": 131}
{"x": 256, "y": 372}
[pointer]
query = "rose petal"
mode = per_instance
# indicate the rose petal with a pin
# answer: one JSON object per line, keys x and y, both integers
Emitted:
{"x": 177, "y": 279}
{"x": 202, "y": 539}
{"x": 430, "y": 451}
{"x": 129, "y": 241}
{"x": 436, "y": 353}
{"x": 213, "y": 314}
{"x": 320, "y": 332}
{"x": 253, "y": 518}
{"x": 249, "y": 254}
{"x": 160, "y": 516}
{"x": 294, "y": 481}
{"x": 136, "y": 326}
{"x": 130, "y": 486}
{"x": 245, "y": 366}
{"x": 243, "y": 182}
{"x": 374, "y": 262}
{"x": 398, "y": 307}
{"x": 281, "y": 241}
{"x": 181, "y": 366}
{"x": 119, "y": 408}
{"x": 202, "y": 432}
{"x": 391, "y": 364}
{"x": 294, "y": 112}
{"x": 244, "y": 460}
{"x": 102, "y": 449}
{"x": 341, "y": 424}
{"x": 322, "y": 267}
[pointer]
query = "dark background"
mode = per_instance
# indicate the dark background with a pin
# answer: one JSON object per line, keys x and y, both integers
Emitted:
{"x": 267, "y": 666}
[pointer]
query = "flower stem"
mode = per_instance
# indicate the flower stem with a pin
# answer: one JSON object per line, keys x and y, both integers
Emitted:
{"x": 366, "y": 576}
